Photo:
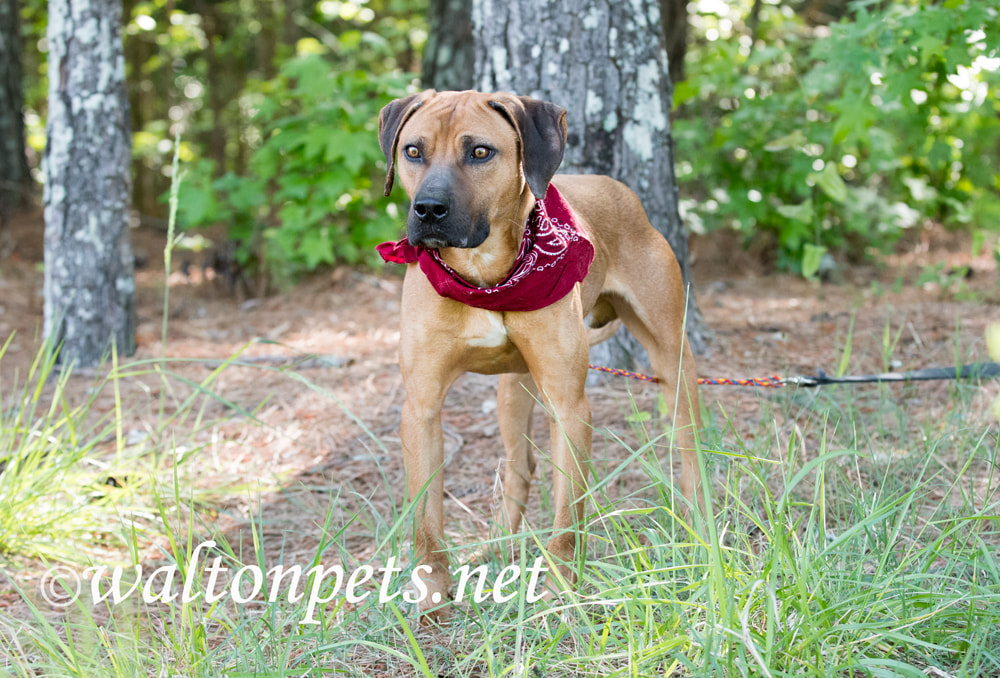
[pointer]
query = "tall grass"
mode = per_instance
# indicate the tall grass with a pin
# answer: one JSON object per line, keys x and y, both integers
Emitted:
{"x": 809, "y": 571}
{"x": 60, "y": 465}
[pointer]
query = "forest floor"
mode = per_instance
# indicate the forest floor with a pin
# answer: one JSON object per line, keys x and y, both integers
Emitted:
{"x": 331, "y": 425}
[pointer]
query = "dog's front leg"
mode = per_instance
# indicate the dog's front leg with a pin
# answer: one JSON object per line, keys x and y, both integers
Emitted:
{"x": 423, "y": 457}
{"x": 556, "y": 351}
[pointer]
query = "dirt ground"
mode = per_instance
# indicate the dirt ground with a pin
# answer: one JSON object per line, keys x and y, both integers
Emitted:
{"x": 296, "y": 460}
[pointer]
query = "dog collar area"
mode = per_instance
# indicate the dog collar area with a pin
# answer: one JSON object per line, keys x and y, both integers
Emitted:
{"x": 554, "y": 256}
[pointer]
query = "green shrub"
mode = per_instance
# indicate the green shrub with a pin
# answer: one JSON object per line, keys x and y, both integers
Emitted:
{"x": 312, "y": 192}
{"x": 839, "y": 138}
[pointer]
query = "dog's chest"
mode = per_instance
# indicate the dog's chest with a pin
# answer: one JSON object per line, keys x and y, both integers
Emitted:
{"x": 484, "y": 329}
{"x": 485, "y": 343}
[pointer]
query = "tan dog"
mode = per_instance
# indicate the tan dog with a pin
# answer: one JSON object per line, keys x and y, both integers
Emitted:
{"x": 473, "y": 165}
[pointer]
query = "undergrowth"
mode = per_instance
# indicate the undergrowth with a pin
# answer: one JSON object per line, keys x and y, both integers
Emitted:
{"x": 826, "y": 555}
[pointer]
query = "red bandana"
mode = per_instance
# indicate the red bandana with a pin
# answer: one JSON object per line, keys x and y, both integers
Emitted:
{"x": 555, "y": 255}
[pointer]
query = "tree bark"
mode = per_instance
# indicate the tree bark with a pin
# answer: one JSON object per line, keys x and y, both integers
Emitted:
{"x": 215, "y": 75}
{"x": 290, "y": 29}
{"x": 605, "y": 62}
{"x": 89, "y": 281}
{"x": 675, "y": 33}
{"x": 267, "y": 40}
{"x": 449, "y": 57}
{"x": 15, "y": 178}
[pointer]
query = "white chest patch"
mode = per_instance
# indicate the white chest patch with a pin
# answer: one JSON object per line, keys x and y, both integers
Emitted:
{"x": 485, "y": 330}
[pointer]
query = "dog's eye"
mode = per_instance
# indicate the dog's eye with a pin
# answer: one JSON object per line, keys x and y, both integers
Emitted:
{"x": 482, "y": 152}
{"x": 412, "y": 152}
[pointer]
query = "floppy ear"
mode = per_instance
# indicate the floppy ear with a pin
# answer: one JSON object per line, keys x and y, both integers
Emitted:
{"x": 390, "y": 121}
{"x": 541, "y": 128}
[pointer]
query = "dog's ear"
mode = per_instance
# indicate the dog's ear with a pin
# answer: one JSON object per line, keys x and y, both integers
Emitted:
{"x": 390, "y": 121}
{"x": 541, "y": 128}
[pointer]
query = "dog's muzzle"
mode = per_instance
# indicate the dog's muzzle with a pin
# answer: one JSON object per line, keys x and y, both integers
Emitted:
{"x": 428, "y": 221}
{"x": 436, "y": 222}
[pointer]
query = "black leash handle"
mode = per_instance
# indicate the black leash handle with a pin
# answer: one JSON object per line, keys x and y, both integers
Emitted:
{"x": 987, "y": 370}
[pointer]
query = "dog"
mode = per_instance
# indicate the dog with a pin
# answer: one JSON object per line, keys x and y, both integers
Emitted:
{"x": 500, "y": 281}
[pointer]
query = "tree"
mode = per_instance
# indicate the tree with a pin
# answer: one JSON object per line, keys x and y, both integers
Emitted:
{"x": 449, "y": 57}
{"x": 89, "y": 281}
{"x": 604, "y": 62}
{"x": 15, "y": 179}
{"x": 674, "y": 15}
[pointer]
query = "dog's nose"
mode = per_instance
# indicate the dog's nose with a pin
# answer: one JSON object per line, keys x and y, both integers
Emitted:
{"x": 430, "y": 210}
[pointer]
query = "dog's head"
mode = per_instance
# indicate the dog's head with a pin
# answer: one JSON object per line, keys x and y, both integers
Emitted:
{"x": 465, "y": 158}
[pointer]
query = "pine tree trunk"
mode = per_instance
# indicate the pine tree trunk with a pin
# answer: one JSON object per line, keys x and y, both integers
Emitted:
{"x": 215, "y": 75}
{"x": 89, "y": 281}
{"x": 675, "y": 32}
{"x": 449, "y": 57}
{"x": 604, "y": 61}
{"x": 15, "y": 180}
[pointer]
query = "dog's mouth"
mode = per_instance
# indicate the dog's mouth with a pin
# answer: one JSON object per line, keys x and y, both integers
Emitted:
{"x": 465, "y": 237}
{"x": 433, "y": 244}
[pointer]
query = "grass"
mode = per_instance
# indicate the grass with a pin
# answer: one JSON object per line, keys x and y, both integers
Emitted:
{"x": 62, "y": 489}
{"x": 829, "y": 555}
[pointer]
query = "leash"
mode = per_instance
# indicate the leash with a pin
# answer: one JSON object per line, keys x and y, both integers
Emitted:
{"x": 986, "y": 370}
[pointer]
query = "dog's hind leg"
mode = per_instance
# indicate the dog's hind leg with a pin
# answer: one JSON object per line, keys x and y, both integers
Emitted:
{"x": 657, "y": 321}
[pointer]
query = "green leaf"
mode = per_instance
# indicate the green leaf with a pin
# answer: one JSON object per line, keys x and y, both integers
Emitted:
{"x": 933, "y": 273}
{"x": 639, "y": 417}
{"x": 245, "y": 194}
{"x": 842, "y": 129}
{"x": 882, "y": 150}
{"x": 683, "y": 92}
{"x": 803, "y": 212}
{"x": 812, "y": 255}
{"x": 831, "y": 183}
{"x": 317, "y": 247}
{"x": 197, "y": 205}
{"x": 929, "y": 46}
{"x": 350, "y": 39}
{"x": 920, "y": 189}
{"x": 794, "y": 140}
{"x": 978, "y": 242}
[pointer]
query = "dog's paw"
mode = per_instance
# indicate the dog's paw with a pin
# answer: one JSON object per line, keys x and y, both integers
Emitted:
{"x": 558, "y": 583}
{"x": 435, "y": 614}
{"x": 436, "y": 586}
